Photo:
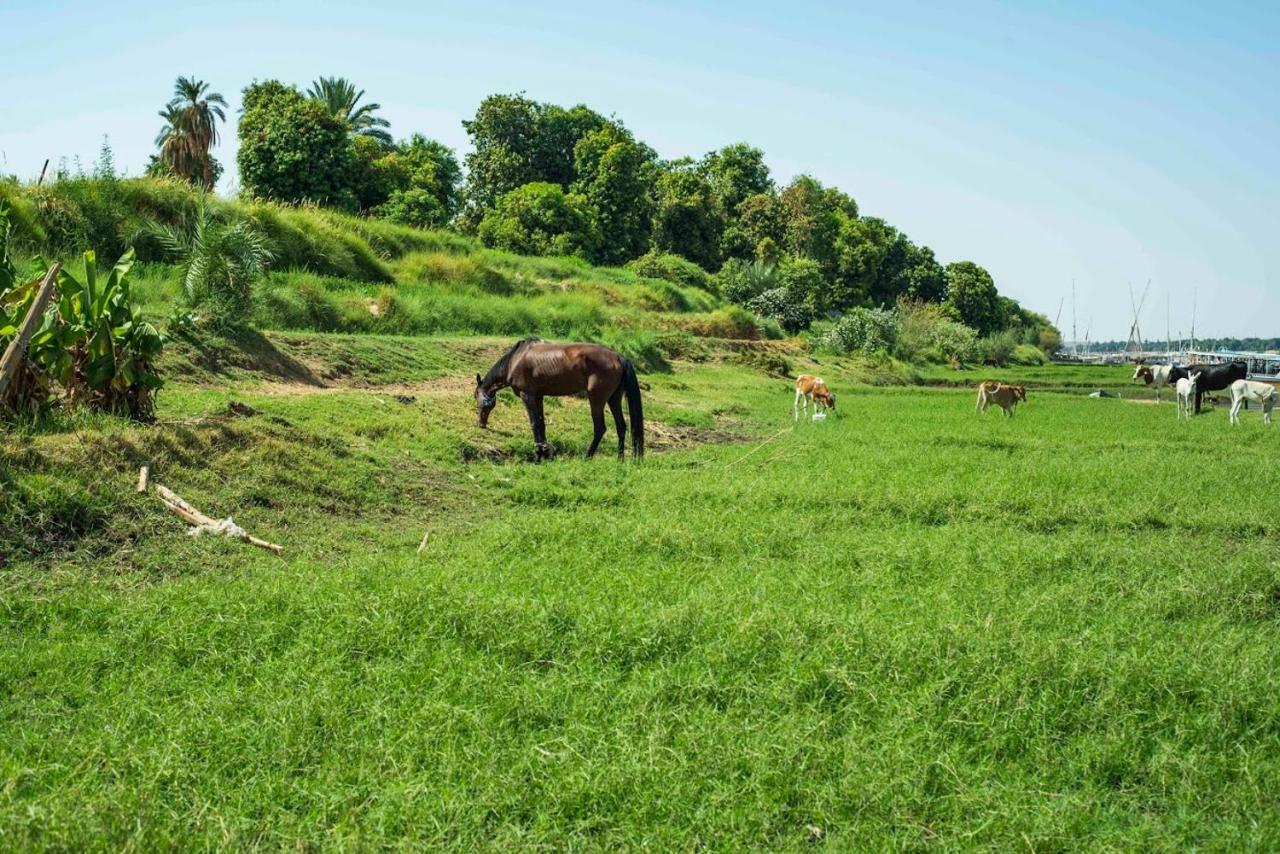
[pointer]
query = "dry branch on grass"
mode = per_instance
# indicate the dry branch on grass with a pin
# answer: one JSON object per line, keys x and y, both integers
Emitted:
{"x": 202, "y": 524}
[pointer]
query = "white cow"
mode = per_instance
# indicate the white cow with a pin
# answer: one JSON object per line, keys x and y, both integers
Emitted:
{"x": 1245, "y": 390}
{"x": 1187, "y": 395}
{"x": 1156, "y": 376}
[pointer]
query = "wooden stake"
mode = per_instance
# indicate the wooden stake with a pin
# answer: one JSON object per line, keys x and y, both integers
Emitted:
{"x": 17, "y": 349}
{"x": 144, "y": 477}
{"x": 192, "y": 516}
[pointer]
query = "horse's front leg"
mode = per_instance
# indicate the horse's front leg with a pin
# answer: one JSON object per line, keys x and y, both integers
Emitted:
{"x": 540, "y": 434}
{"x": 597, "y": 426}
{"x": 537, "y": 423}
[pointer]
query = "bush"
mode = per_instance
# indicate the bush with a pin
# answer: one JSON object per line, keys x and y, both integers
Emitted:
{"x": 955, "y": 343}
{"x": 221, "y": 258}
{"x": 784, "y": 306}
{"x": 673, "y": 268}
{"x": 742, "y": 281}
{"x": 863, "y": 330}
{"x": 1049, "y": 340}
{"x": 927, "y": 334}
{"x": 538, "y": 219}
{"x": 90, "y": 342}
{"x": 998, "y": 348}
{"x": 1027, "y": 354}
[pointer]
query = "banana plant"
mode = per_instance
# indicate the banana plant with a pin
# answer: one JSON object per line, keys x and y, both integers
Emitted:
{"x": 94, "y": 346}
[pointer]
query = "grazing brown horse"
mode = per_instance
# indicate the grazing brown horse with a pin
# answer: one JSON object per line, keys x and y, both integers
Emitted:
{"x": 534, "y": 369}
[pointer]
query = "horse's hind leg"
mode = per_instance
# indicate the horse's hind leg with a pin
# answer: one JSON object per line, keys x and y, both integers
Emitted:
{"x": 615, "y": 406}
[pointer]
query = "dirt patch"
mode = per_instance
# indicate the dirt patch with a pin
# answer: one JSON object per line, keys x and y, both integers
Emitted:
{"x": 460, "y": 387}
{"x": 674, "y": 437}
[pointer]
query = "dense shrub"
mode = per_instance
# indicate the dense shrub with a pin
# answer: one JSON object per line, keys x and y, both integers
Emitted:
{"x": 673, "y": 268}
{"x": 998, "y": 348}
{"x": 741, "y": 281}
{"x": 538, "y": 219}
{"x": 863, "y": 330}
{"x": 954, "y": 343}
{"x": 221, "y": 256}
{"x": 804, "y": 279}
{"x": 784, "y": 306}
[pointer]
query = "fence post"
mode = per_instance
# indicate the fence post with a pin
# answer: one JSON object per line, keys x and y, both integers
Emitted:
{"x": 17, "y": 349}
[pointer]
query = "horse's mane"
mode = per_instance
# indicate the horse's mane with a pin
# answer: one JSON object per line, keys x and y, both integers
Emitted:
{"x": 499, "y": 368}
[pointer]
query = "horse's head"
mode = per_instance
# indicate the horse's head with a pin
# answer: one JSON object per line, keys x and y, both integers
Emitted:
{"x": 1141, "y": 371}
{"x": 486, "y": 400}
{"x": 1193, "y": 379}
{"x": 1019, "y": 393}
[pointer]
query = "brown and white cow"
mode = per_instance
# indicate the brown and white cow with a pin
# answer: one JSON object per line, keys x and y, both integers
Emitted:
{"x": 811, "y": 389}
{"x": 1002, "y": 395}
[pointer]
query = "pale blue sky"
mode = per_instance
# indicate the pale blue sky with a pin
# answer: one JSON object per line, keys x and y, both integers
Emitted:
{"x": 1101, "y": 142}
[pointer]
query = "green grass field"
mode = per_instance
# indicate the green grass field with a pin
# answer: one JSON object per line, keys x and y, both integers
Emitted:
{"x": 907, "y": 627}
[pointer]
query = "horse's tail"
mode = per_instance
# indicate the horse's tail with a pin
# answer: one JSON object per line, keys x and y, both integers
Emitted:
{"x": 635, "y": 409}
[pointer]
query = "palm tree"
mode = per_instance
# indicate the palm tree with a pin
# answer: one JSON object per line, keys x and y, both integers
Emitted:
{"x": 191, "y": 129}
{"x": 340, "y": 98}
{"x": 221, "y": 257}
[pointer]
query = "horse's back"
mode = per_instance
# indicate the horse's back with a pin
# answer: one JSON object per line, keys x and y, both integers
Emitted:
{"x": 546, "y": 367}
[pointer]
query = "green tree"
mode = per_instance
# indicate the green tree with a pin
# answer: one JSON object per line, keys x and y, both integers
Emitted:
{"x": 341, "y": 100}
{"x": 429, "y": 198}
{"x": 376, "y": 172}
{"x": 972, "y": 297}
{"x": 925, "y": 277}
{"x": 812, "y": 216}
{"x": 414, "y": 182}
{"x": 872, "y": 262}
{"x": 614, "y": 176}
{"x": 759, "y": 217}
{"x": 190, "y": 130}
{"x": 539, "y": 219}
{"x": 688, "y": 219}
{"x": 804, "y": 280}
{"x": 292, "y": 149}
{"x": 516, "y": 141}
{"x": 736, "y": 172}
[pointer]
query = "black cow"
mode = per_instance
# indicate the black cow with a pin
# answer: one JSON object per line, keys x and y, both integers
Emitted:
{"x": 1216, "y": 377}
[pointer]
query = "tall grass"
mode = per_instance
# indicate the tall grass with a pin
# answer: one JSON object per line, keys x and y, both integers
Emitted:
{"x": 985, "y": 636}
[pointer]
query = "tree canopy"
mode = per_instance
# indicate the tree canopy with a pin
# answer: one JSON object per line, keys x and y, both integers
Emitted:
{"x": 547, "y": 179}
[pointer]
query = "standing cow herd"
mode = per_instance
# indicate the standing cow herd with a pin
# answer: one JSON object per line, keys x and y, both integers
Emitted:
{"x": 1190, "y": 382}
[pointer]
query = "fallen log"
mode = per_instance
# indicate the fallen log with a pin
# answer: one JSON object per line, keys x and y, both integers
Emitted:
{"x": 202, "y": 524}
{"x": 144, "y": 477}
